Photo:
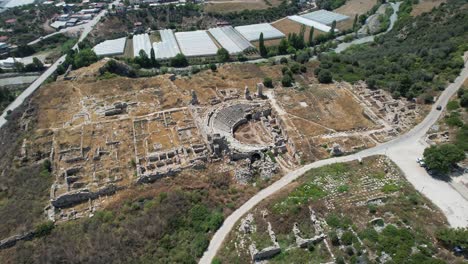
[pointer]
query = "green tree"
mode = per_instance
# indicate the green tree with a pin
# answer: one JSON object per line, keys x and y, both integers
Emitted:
{"x": 283, "y": 47}
{"x": 222, "y": 55}
{"x": 441, "y": 158}
{"x": 179, "y": 61}
{"x": 38, "y": 64}
{"x": 61, "y": 69}
{"x": 325, "y": 76}
{"x": 452, "y": 237}
{"x": 355, "y": 22}
{"x": 44, "y": 229}
{"x": 332, "y": 28}
{"x": 261, "y": 46}
{"x": 213, "y": 67}
{"x": 83, "y": 58}
{"x": 464, "y": 100}
{"x": 311, "y": 36}
{"x": 268, "y": 82}
{"x": 154, "y": 62}
{"x": 286, "y": 81}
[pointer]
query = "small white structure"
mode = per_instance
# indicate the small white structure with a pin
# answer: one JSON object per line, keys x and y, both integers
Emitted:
{"x": 168, "y": 47}
{"x": 325, "y": 17}
{"x": 252, "y": 32}
{"x": 310, "y": 23}
{"x": 196, "y": 43}
{"x": 63, "y": 17}
{"x": 141, "y": 42}
{"x": 9, "y": 62}
{"x": 230, "y": 39}
{"x": 113, "y": 47}
{"x": 15, "y": 3}
{"x": 59, "y": 25}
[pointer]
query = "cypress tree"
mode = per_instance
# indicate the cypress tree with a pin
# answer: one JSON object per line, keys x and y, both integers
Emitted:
{"x": 301, "y": 40}
{"x": 154, "y": 63}
{"x": 262, "y": 48}
{"x": 355, "y": 22}
{"x": 311, "y": 36}
{"x": 332, "y": 29}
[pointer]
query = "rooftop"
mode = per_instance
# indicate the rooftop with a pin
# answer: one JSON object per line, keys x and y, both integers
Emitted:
{"x": 168, "y": 47}
{"x": 196, "y": 43}
{"x": 325, "y": 17}
{"x": 252, "y": 32}
{"x": 141, "y": 42}
{"x": 310, "y": 23}
{"x": 230, "y": 39}
{"x": 111, "y": 47}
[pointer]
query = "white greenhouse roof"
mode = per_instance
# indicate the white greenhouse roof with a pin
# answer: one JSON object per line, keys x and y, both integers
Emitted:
{"x": 141, "y": 42}
{"x": 310, "y": 23}
{"x": 230, "y": 39}
{"x": 168, "y": 47}
{"x": 325, "y": 17}
{"x": 196, "y": 43}
{"x": 111, "y": 47}
{"x": 252, "y": 32}
{"x": 58, "y": 24}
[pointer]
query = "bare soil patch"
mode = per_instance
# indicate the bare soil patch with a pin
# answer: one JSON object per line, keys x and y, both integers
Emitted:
{"x": 425, "y": 6}
{"x": 227, "y": 6}
{"x": 353, "y": 7}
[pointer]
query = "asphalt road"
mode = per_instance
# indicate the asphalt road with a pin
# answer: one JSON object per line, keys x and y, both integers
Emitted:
{"x": 403, "y": 151}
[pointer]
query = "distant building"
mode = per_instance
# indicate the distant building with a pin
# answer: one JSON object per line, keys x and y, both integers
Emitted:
{"x": 9, "y": 63}
{"x": 4, "y": 48}
{"x": 138, "y": 28}
{"x": 222, "y": 23}
{"x": 11, "y": 21}
{"x": 72, "y": 22}
{"x": 59, "y": 25}
{"x": 64, "y": 17}
{"x": 90, "y": 11}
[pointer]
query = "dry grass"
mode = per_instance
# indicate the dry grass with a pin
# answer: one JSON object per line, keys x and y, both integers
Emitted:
{"x": 326, "y": 105}
{"x": 425, "y": 6}
{"x": 353, "y": 7}
{"x": 226, "y": 6}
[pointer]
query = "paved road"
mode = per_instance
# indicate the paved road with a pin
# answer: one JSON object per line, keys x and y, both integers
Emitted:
{"x": 393, "y": 18}
{"x": 403, "y": 150}
{"x": 36, "y": 84}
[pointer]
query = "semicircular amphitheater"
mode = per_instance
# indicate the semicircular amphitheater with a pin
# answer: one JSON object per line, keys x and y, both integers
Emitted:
{"x": 243, "y": 128}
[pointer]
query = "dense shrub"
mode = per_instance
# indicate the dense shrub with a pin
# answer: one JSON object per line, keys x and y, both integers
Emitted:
{"x": 268, "y": 82}
{"x": 420, "y": 54}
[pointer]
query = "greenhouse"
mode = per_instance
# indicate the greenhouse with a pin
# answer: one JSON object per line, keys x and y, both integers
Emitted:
{"x": 325, "y": 17}
{"x": 252, "y": 32}
{"x": 111, "y": 47}
{"x": 141, "y": 42}
{"x": 196, "y": 43}
{"x": 168, "y": 47}
{"x": 230, "y": 39}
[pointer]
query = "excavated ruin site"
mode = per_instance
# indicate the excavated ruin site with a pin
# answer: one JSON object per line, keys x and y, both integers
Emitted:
{"x": 106, "y": 135}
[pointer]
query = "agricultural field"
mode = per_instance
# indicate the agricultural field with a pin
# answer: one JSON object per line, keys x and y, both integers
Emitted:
{"x": 226, "y": 6}
{"x": 353, "y": 7}
{"x": 348, "y": 212}
{"x": 424, "y": 6}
